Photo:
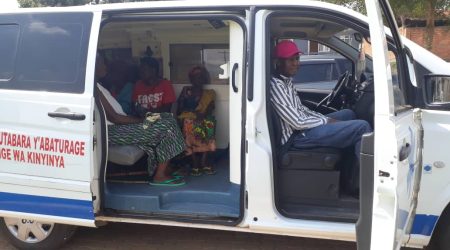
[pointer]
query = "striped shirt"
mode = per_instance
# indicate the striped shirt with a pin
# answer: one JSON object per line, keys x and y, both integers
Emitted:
{"x": 294, "y": 115}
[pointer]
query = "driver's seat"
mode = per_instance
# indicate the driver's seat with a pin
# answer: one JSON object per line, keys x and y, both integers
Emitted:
{"x": 308, "y": 173}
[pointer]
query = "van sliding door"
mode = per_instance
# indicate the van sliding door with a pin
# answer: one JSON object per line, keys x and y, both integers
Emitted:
{"x": 46, "y": 106}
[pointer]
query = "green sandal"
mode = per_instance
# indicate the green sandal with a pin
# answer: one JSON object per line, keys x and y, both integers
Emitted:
{"x": 175, "y": 182}
{"x": 180, "y": 173}
{"x": 196, "y": 172}
{"x": 209, "y": 170}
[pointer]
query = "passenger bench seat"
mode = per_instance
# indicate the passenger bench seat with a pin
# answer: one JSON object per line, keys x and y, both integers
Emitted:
{"x": 124, "y": 155}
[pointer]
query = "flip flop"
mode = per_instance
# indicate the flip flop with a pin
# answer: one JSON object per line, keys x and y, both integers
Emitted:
{"x": 175, "y": 182}
{"x": 209, "y": 170}
{"x": 196, "y": 172}
{"x": 179, "y": 174}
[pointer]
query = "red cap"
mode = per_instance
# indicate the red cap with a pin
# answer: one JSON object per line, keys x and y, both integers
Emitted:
{"x": 286, "y": 49}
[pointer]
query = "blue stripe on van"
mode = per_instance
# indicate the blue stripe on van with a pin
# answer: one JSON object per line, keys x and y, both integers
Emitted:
{"x": 424, "y": 224}
{"x": 79, "y": 209}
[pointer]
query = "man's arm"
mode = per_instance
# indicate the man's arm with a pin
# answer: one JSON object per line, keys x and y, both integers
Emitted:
{"x": 289, "y": 113}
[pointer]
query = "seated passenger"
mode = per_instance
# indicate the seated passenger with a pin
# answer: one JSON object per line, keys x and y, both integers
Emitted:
{"x": 302, "y": 127}
{"x": 161, "y": 140}
{"x": 119, "y": 86}
{"x": 151, "y": 93}
{"x": 195, "y": 106}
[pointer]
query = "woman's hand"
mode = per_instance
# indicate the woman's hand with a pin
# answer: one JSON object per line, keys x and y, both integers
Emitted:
{"x": 199, "y": 115}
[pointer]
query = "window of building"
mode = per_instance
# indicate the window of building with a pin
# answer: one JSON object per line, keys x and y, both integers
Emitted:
{"x": 323, "y": 49}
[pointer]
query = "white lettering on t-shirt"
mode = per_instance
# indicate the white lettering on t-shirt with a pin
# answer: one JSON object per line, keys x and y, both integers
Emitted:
{"x": 150, "y": 100}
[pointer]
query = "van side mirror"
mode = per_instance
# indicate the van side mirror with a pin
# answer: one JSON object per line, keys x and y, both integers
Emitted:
{"x": 437, "y": 91}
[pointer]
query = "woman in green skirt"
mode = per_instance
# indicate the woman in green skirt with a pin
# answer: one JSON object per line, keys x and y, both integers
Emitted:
{"x": 158, "y": 135}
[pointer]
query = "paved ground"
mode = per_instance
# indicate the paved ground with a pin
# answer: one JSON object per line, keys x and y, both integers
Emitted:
{"x": 148, "y": 237}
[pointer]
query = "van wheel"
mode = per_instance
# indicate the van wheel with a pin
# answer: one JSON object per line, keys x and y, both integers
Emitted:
{"x": 32, "y": 234}
{"x": 441, "y": 235}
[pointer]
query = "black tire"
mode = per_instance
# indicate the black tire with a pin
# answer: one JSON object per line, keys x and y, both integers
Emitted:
{"x": 441, "y": 235}
{"x": 58, "y": 236}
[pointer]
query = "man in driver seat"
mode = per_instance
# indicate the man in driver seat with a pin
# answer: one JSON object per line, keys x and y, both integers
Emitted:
{"x": 302, "y": 127}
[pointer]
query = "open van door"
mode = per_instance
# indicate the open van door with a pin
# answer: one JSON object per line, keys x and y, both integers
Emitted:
{"x": 46, "y": 122}
{"x": 397, "y": 141}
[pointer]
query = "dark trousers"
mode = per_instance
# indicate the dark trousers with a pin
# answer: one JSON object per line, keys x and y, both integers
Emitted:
{"x": 346, "y": 132}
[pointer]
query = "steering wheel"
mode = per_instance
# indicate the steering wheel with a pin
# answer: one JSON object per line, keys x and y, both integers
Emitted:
{"x": 343, "y": 81}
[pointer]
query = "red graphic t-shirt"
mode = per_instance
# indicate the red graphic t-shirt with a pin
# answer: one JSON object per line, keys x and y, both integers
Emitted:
{"x": 154, "y": 96}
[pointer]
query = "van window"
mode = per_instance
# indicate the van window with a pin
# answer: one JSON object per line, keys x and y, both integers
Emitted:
{"x": 320, "y": 66}
{"x": 399, "y": 96}
{"x": 9, "y": 34}
{"x": 51, "y": 51}
{"x": 317, "y": 72}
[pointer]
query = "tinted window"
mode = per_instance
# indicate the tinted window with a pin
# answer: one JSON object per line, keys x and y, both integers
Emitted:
{"x": 51, "y": 51}
{"x": 315, "y": 72}
{"x": 9, "y": 34}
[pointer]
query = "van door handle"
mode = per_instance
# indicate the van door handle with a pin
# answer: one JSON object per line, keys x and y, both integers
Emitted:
{"x": 404, "y": 152}
{"x": 67, "y": 115}
{"x": 233, "y": 78}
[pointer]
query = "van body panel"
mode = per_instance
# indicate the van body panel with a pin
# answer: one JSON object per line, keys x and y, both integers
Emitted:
{"x": 46, "y": 139}
{"x": 67, "y": 181}
{"x": 308, "y": 229}
{"x": 397, "y": 143}
{"x": 434, "y": 188}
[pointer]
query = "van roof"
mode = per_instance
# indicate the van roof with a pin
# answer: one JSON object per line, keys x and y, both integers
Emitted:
{"x": 184, "y": 4}
{"x": 425, "y": 56}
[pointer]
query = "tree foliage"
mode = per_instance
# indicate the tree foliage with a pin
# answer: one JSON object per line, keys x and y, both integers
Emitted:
{"x": 53, "y": 3}
{"x": 428, "y": 10}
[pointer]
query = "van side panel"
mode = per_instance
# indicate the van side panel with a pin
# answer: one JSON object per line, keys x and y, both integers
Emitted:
{"x": 46, "y": 136}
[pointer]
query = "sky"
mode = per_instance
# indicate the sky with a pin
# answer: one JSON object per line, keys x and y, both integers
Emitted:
{"x": 7, "y": 4}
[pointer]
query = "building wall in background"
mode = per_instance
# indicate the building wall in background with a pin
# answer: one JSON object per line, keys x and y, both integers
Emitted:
{"x": 441, "y": 39}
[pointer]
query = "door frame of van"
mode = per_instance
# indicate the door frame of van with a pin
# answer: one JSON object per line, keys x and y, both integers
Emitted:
{"x": 308, "y": 12}
{"x": 166, "y": 14}
{"x": 325, "y": 14}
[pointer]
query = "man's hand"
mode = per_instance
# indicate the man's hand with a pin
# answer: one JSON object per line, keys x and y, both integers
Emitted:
{"x": 331, "y": 120}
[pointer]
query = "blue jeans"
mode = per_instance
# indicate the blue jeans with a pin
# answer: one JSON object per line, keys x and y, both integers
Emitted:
{"x": 344, "y": 133}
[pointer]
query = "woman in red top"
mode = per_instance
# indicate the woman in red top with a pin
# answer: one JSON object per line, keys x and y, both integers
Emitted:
{"x": 151, "y": 93}
{"x": 160, "y": 138}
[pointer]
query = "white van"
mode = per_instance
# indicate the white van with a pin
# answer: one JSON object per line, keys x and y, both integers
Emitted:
{"x": 55, "y": 162}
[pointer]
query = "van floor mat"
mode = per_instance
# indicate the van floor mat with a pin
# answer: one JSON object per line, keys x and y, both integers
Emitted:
{"x": 206, "y": 195}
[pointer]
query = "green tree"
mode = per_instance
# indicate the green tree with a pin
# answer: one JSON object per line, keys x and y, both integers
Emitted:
{"x": 28, "y": 3}
{"x": 430, "y": 10}
{"x": 403, "y": 9}
{"x": 52, "y": 3}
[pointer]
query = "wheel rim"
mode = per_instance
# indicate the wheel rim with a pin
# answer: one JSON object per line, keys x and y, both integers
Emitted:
{"x": 29, "y": 231}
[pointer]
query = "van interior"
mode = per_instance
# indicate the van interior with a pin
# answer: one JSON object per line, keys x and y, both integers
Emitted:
{"x": 178, "y": 46}
{"x": 316, "y": 183}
